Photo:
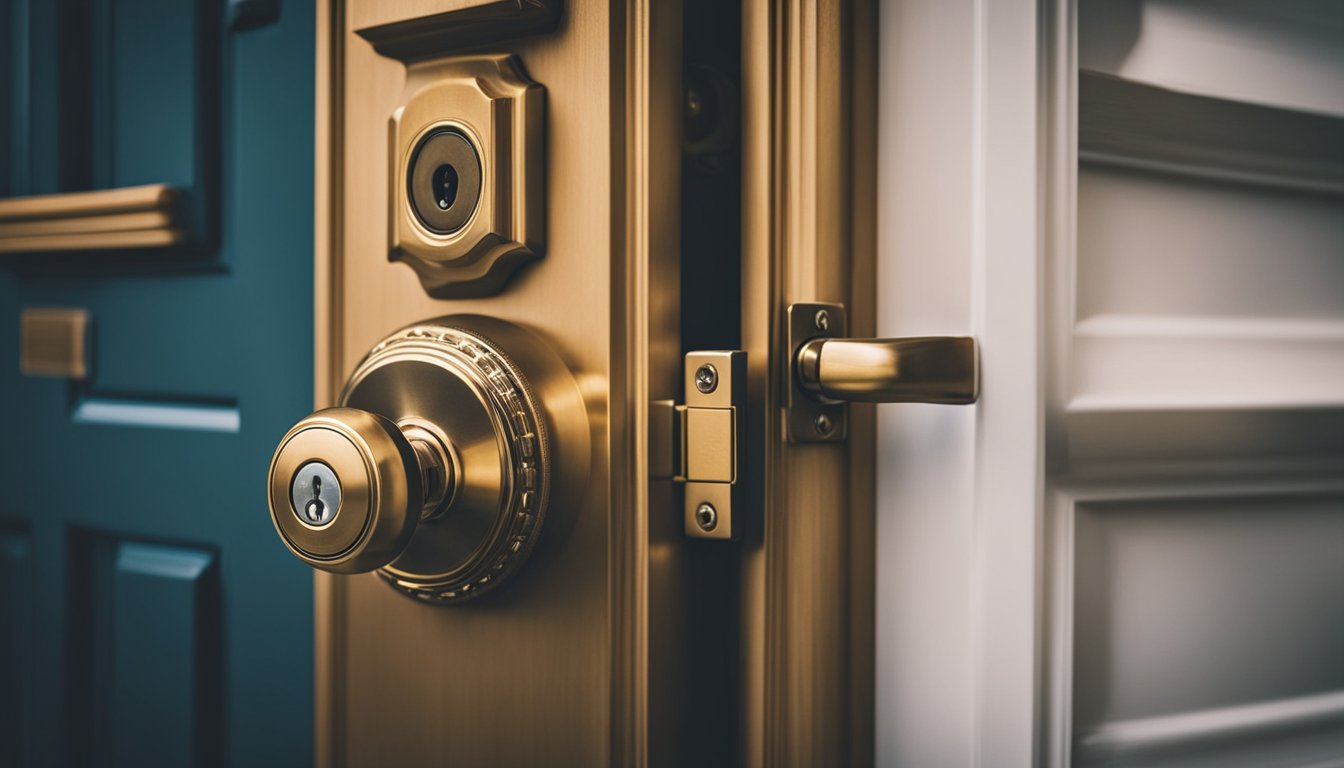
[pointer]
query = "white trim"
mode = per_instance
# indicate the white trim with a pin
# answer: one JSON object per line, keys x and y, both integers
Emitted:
{"x": 1007, "y": 271}
{"x": 1191, "y": 732}
{"x": 1135, "y": 736}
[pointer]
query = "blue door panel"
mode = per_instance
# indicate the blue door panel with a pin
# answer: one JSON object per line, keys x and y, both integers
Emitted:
{"x": 165, "y": 632}
{"x": 150, "y": 616}
{"x": 16, "y": 610}
{"x": 152, "y": 52}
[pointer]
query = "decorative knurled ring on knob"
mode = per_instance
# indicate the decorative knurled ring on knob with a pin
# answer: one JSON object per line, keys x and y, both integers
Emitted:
{"x": 455, "y": 438}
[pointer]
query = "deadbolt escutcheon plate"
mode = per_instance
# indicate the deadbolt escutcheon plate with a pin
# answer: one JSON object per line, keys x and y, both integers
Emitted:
{"x": 484, "y": 106}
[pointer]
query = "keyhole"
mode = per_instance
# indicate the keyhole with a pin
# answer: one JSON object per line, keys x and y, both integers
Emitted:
{"x": 314, "y": 508}
{"x": 445, "y": 186}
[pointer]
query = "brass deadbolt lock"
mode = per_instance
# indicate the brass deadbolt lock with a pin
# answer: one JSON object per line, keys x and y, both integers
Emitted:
{"x": 452, "y": 441}
{"x": 467, "y": 171}
{"x": 444, "y": 181}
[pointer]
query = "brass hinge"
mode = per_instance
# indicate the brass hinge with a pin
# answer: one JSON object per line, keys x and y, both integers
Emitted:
{"x": 695, "y": 445}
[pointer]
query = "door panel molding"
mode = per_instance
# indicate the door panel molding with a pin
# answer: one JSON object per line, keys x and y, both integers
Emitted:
{"x": 809, "y": 126}
{"x": 647, "y": 546}
{"x": 1301, "y": 725}
{"x": 1197, "y": 415}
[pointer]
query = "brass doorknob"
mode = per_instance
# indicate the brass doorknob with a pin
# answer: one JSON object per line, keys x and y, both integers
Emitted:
{"x": 440, "y": 465}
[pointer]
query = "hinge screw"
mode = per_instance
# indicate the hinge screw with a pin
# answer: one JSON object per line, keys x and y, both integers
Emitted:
{"x": 706, "y": 379}
{"x": 706, "y": 516}
{"x": 823, "y": 424}
{"x": 822, "y": 320}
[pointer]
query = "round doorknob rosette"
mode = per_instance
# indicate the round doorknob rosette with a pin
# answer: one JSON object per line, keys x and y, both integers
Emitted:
{"x": 463, "y": 446}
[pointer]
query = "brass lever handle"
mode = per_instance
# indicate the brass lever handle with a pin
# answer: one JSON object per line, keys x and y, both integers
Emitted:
{"x": 827, "y": 369}
{"x": 926, "y": 369}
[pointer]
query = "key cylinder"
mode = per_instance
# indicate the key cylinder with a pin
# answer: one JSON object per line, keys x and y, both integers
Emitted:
{"x": 315, "y": 494}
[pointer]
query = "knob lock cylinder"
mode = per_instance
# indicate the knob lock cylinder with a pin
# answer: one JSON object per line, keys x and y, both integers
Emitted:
{"x": 373, "y": 490}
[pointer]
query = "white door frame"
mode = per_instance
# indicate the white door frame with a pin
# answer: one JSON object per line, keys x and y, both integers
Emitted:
{"x": 965, "y": 132}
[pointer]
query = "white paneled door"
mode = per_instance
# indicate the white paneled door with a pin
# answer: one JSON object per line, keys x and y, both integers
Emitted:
{"x": 1131, "y": 550}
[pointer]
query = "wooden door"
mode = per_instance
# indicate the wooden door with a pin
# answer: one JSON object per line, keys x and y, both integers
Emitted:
{"x": 621, "y": 641}
{"x": 158, "y": 184}
{"x": 1128, "y": 553}
{"x": 558, "y": 666}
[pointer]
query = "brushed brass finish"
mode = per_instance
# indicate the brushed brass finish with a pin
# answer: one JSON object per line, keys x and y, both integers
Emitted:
{"x": 926, "y": 369}
{"x": 710, "y": 442}
{"x": 514, "y": 419}
{"x": 720, "y": 497}
{"x": 810, "y": 419}
{"x": 129, "y": 217}
{"x": 578, "y": 661}
{"x": 498, "y": 222}
{"x": 827, "y": 370}
{"x": 381, "y": 490}
{"x": 445, "y": 455}
{"x": 809, "y": 118}
{"x": 707, "y": 441}
{"x": 54, "y": 342}
{"x": 696, "y": 444}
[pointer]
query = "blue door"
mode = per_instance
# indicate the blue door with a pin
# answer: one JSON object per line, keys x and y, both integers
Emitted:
{"x": 156, "y": 179}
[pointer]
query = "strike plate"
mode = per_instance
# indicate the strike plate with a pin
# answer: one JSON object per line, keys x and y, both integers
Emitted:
{"x": 806, "y": 419}
{"x": 695, "y": 445}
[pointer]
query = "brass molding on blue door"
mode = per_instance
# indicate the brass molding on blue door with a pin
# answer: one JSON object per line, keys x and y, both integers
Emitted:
{"x": 466, "y": 174}
{"x": 104, "y": 220}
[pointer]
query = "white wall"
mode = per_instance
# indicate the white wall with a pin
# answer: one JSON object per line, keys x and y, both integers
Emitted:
{"x": 1128, "y": 552}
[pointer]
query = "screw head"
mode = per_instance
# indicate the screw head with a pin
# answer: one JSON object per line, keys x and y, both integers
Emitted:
{"x": 706, "y": 378}
{"x": 822, "y": 320}
{"x": 823, "y": 424}
{"x": 706, "y": 516}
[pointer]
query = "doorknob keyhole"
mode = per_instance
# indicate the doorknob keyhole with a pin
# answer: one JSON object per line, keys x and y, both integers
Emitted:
{"x": 445, "y": 186}
{"x": 315, "y": 494}
{"x": 314, "y": 508}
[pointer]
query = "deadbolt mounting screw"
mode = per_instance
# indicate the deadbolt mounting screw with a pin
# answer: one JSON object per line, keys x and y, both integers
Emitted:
{"x": 706, "y": 379}
{"x": 822, "y": 320}
{"x": 823, "y": 424}
{"x": 706, "y": 516}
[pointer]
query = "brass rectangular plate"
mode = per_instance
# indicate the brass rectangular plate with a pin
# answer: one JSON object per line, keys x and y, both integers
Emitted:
{"x": 54, "y": 342}
{"x": 108, "y": 219}
{"x": 710, "y": 442}
{"x": 709, "y": 445}
{"x": 806, "y": 419}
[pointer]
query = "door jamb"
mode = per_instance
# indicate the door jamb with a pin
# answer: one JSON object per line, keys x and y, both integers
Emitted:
{"x": 809, "y": 234}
